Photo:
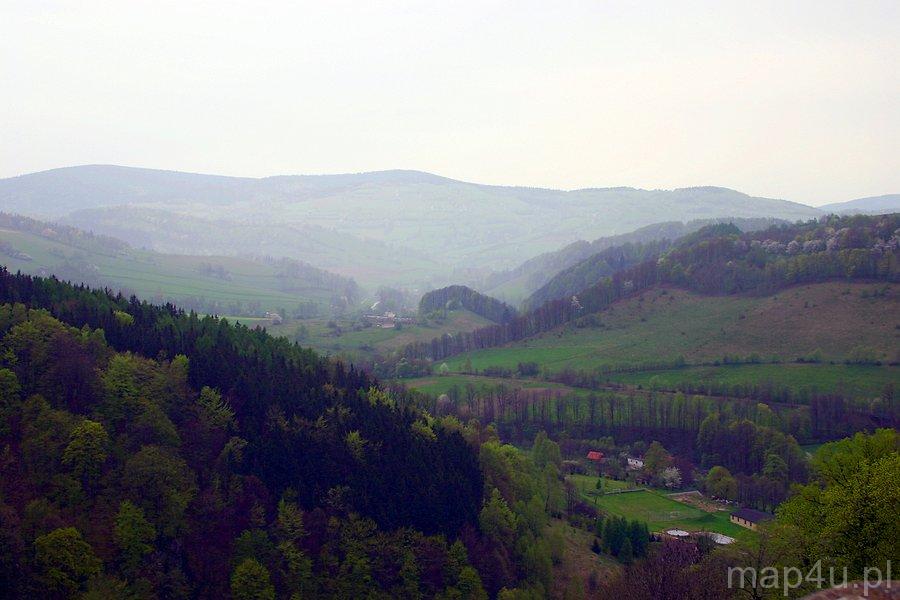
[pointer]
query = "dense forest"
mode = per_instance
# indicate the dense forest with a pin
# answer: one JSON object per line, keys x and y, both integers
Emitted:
{"x": 717, "y": 259}
{"x": 148, "y": 452}
{"x": 151, "y": 453}
{"x": 460, "y": 296}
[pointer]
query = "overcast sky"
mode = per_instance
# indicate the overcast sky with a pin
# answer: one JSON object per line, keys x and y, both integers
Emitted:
{"x": 797, "y": 100}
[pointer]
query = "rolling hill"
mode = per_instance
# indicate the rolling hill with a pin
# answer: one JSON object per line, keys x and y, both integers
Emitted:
{"x": 718, "y": 260}
{"x": 218, "y": 284}
{"x": 460, "y": 296}
{"x": 516, "y": 284}
{"x": 370, "y": 262}
{"x": 455, "y": 224}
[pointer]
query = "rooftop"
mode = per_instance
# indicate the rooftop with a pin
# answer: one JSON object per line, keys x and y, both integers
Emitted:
{"x": 751, "y": 515}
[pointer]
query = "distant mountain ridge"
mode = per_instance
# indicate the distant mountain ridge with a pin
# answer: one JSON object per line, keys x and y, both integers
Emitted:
{"x": 887, "y": 203}
{"x": 443, "y": 224}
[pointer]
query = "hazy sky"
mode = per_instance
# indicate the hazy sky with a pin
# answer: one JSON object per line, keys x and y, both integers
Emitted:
{"x": 797, "y": 100}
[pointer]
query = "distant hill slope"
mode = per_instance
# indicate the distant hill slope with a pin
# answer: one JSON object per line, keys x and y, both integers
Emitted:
{"x": 369, "y": 261}
{"x": 716, "y": 261}
{"x": 210, "y": 284}
{"x": 516, "y": 284}
{"x": 453, "y": 223}
{"x": 874, "y": 205}
{"x": 665, "y": 324}
{"x": 589, "y": 271}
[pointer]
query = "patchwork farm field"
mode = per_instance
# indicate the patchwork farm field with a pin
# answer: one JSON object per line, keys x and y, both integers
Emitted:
{"x": 834, "y": 320}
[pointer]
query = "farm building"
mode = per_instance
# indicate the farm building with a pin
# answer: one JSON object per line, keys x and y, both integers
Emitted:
{"x": 749, "y": 518}
{"x": 635, "y": 463}
{"x": 595, "y": 455}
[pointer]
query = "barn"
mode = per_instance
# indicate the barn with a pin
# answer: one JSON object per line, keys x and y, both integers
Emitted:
{"x": 749, "y": 518}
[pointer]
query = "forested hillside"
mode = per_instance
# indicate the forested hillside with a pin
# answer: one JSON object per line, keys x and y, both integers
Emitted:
{"x": 589, "y": 271}
{"x": 460, "y": 296}
{"x": 152, "y": 453}
{"x": 531, "y": 275}
{"x": 758, "y": 262}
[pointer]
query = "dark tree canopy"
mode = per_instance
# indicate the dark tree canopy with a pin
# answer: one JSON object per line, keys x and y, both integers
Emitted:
{"x": 460, "y": 296}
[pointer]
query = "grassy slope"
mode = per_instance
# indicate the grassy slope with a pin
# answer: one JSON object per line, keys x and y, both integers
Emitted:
{"x": 152, "y": 275}
{"x": 657, "y": 326}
